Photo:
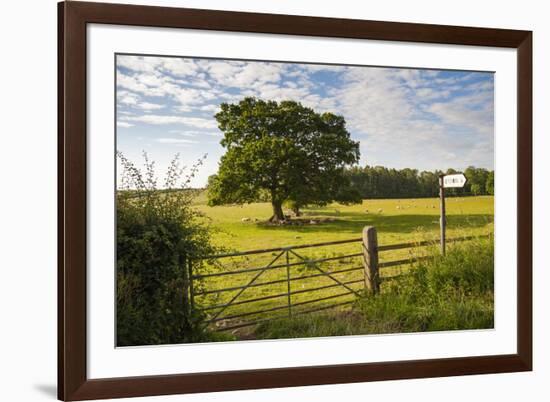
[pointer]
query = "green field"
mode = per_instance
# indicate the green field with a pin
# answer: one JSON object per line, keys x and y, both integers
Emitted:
{"x": 242, "y": 228}
{"x": 396, "y": 221}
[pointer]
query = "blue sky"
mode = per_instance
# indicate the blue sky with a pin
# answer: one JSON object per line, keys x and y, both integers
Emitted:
{"x": 423, "y": 119}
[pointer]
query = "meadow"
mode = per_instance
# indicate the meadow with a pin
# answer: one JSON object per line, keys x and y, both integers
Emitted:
{"x": 242, "y": 228}
{"x": 397, "y": 220}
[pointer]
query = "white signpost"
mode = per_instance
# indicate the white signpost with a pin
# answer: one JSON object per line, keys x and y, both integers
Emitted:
{"x": 454, "y": 180}
{"x": 447, "y": 181}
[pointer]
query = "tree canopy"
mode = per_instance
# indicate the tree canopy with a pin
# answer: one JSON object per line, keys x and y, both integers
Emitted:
{"x": 282, "y": 151}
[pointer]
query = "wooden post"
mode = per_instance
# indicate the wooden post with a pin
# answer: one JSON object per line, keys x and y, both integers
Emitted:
{"x": 183, "y": 261}
{"x": 442, "y": 218}
{"x": 370, "y": 259}
{"x": 191, "y": 289}
{"x": 288, "y": 284}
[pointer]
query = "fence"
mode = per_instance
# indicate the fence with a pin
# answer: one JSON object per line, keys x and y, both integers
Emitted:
{"x": 329, "y": 285}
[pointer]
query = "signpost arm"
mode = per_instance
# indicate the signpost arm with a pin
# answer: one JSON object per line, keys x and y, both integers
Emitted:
{"x": 442, "y": 219}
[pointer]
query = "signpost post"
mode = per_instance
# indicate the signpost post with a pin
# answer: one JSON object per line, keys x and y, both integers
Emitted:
{"x": 447, "y": 181}
{"x": 442, "y": 219}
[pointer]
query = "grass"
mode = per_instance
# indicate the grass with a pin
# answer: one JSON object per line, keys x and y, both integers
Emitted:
{"x": 397, "y": 221}
{"x": 394, "y": 225}
{"x": 443, "y": 293}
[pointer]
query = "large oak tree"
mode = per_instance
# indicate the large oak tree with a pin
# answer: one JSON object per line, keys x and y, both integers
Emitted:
{"x": 281, "y": 151}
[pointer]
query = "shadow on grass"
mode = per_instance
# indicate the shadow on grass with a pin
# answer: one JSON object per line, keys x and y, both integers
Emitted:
{"x": 353, "y": 223}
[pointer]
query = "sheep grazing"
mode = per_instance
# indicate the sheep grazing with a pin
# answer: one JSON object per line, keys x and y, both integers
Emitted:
{"x": 366, "y": 211}
{"x": 380, "y": 210}
{"x": 398, "y": 207}
{"x": 245, "y": 220}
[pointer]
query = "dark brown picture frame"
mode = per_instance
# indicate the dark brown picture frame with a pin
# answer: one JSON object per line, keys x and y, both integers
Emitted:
{"x": 73, "y": 383}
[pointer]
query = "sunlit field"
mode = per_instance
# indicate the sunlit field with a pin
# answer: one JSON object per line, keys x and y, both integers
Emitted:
{"x": 396, "y": 221}
{"x": 244, "y": 228}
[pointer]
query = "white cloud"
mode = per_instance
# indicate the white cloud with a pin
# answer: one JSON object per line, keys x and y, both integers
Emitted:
{"x": 322, "y": 67}
{"x": 210, "y": 108}
{"x": 192, "y": 96}
{"x": 462, "y": 112}
{"x": 143, "y": 64}
{"x": 124, "y": 124}
{"x": 149, "y": 106}
{"x": 278, "y": 93}
{"x": 131, "y": 83}
{"x": 196, "y": 133}
{"x": 480, "y": 86}
{"x": 147, "y": 84}
{"x": 127, "y": 98}
{"x": 175, "y": 141}
{"x": 221, "y": 71}
{"x": 178, "y": 66}
{"x": 374, "y": 101}
{"x": 170, "y": 119}
{"x": 151, "y": 80}
{"x": 427, "y": 94}
{"x": 133, "y": 100}
{"x": 258, "y": 72}
{"x": 138, "y": 63}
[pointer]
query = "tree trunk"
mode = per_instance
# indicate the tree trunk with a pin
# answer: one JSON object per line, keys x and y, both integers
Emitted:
{"x": 296, "y": 211}
{"x": 278, "y": 215}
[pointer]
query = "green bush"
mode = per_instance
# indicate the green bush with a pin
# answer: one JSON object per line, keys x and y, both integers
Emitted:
{"x": 158, "y": 232}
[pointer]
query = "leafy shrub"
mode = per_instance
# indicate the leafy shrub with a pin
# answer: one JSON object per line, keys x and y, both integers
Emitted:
{"x": 158, "y": 233}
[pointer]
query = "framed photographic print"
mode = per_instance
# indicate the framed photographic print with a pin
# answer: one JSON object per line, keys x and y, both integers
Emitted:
{"x": 254, "y": 200}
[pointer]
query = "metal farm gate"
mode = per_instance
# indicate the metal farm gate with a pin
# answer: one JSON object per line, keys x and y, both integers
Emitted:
{"x": 243, "y": 289}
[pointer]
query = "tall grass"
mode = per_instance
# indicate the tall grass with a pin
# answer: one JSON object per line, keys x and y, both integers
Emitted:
{"x": 452, "y": 292}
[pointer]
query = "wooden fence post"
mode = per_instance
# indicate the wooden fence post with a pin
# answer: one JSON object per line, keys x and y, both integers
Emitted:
{"x": 442, "y": 218}
{"x": 183, "y": 262}
{"x": 370, "y": 259}
{"x": 288, "y": 284}
{"x": 191, "y": 287}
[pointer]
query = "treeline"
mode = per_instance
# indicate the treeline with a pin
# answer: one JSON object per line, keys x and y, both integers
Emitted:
{"x": 382, "y": 182}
